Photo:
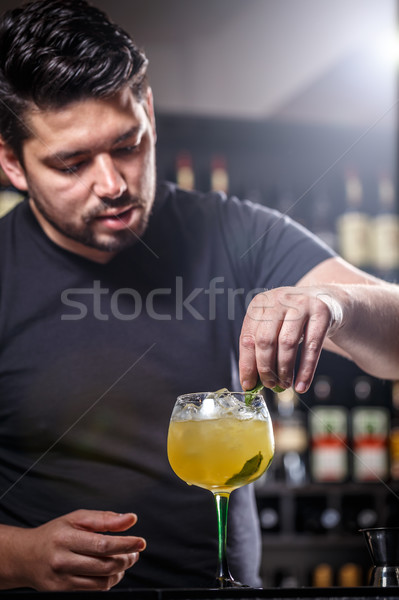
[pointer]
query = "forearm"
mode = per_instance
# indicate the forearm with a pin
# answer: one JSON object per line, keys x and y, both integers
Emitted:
{"x": 369, "y": 333}
{"x": 13, "y": 553}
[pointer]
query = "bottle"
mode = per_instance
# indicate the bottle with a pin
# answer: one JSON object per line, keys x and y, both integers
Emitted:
{"x": 359, "y": 512}
{"x": 353, "y": 226}
{"x": 385, "y": 231}
{"x": 370, "y": 435}
{"x": 219, "y": 174}
{"x": 322, "y": 222}
{"x": 322, "y": 576}
{"x": 285, "y": 578}
{"x": 330, "y": 519}
{"x": 394, "y": 434}
{"x": 269, "y": 519}
{"x": 309, "y": 510}
{"x": 328, "y": 425}
{"x": 350, "y": 575}
{"x": 185, "y": 171}
{"x": 291, "y": 439}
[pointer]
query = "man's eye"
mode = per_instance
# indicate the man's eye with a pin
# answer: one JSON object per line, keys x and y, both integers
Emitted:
{"x": 126, "y": 150}
{"x": 70, "y": 170}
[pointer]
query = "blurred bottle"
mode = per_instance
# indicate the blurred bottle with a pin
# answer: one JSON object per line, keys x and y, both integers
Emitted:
{"x": 353, "y": 226}
{"x": 359, "y": 512}
{"x": 330, "y": 519}
{"x": 291, "y": 439}
{"x": 322, "y": 576}
{"x": 323, "y": 224}
{"x": 219, "y": 174}
{"x": 350, "y": 575}
{"x": 394, "y": 433}
{"x": 285, "y": 578}
{"x": 185, "y": 171}
{"x": 370, "y": 435}
{"x": 385, "y": 231}
{"x": 269, "y": 519}
{"x": 328, "y": 425}
{"x": 308, "y": 514}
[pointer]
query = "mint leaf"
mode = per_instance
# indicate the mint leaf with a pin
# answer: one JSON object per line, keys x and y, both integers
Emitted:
{"x": 249, "y": 394}
{"x": 277, "y": 389}
{"x": 249, "y": 469}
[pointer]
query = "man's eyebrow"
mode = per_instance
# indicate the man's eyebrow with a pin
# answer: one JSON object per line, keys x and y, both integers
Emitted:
{"x": 63, "y": 156}
{"x": 132, "y": 132}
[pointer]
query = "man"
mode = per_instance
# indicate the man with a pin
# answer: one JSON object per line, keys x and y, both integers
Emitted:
{"x": 116, "y": 296}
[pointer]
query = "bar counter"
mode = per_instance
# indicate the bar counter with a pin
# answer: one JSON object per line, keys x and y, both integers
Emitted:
{"x": 303, "y": 593}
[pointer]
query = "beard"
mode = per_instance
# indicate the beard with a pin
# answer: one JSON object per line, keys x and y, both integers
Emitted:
{"x": 85, "y": 233}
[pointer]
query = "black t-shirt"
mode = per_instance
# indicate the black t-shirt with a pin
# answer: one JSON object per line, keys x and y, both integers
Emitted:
{"x": 92, "y": 358}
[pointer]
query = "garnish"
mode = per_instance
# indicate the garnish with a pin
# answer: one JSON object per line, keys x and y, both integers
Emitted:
{"x": 249, "y": 394}
{"x": 221, "y": 391}
{"x": 250, "y": 468}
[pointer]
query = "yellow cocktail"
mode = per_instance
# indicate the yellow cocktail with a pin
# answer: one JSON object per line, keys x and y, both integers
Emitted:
{"x": 220, "y": 441}
{"x": 220, "y": 454}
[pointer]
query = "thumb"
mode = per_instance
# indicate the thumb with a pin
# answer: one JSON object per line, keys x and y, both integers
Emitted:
{"x": 102, "y": 520}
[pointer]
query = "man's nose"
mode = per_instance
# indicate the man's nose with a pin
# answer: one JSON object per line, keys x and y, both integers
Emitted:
{"x": 108, "y": 183}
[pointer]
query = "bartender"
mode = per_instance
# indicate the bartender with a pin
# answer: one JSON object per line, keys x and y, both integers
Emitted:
{"x": 119, "y": 293}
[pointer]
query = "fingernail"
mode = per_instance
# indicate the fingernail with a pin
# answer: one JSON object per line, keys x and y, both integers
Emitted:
{"x": 142, "y": 545}
{"x": 127, "y": 515}
{"x": 300, "y": 387}
{"x": 246, "y": 385}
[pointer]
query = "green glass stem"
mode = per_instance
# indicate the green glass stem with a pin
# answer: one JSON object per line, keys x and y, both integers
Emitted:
{"x": 223, "y": 574}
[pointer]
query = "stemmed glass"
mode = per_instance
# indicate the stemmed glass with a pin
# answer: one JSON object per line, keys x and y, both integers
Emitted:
{"x": 220, "y": 441}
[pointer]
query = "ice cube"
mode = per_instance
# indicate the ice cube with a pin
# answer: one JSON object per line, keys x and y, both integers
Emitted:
{"x": 186, "y": 412}
{"x": 228, "y": 404}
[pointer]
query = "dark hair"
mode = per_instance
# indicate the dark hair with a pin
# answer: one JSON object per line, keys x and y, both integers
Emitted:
{"x": 53, "y": 52}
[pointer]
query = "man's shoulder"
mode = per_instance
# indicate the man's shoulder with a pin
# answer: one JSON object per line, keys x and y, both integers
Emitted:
{"x": 207, "y": 202}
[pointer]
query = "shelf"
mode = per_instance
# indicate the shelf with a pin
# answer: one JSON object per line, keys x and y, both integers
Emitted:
{"x": 273, "y": 488}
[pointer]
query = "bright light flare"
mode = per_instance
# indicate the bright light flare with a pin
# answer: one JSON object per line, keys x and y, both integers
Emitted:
{"x": 388, "y": 48}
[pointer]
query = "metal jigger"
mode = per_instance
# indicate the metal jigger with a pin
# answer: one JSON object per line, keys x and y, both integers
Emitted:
{"x": 383, "y": 546}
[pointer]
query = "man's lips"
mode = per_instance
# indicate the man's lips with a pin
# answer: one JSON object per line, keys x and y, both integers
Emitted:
{"x": 117, "y": 218}
{"x": 115, "y": 212}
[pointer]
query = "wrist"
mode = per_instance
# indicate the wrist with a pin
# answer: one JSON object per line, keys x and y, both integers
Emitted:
{"x": 14, "y": 557}
{"x": 336, "y": 313}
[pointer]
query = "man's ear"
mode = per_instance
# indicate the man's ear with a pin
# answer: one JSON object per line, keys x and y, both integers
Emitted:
{"x": 12, "y": 166}
{"x": 149, "y": 109}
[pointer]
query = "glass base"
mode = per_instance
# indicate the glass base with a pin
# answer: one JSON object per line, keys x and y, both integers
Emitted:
{"x": 228, "y": 582}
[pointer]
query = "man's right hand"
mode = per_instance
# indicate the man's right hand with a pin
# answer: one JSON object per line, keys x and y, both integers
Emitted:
{"x": 70, "y": 552}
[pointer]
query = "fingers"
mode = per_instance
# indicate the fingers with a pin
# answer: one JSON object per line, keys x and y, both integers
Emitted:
{"x": 273, "y": 329}
{"x": 82, "y": 583}
{"x": 257, "y": 342}
{"x": 289, "y": 339}
{"x": 314, "y": 336}
{"x": 90, "y": 566}
{"x": 85, "y": 539}
{"x": 96, "y": 544}
{"x": 68, "y": 553}
{"x": 102, "y": 520}
{"x": 82, "y": 559}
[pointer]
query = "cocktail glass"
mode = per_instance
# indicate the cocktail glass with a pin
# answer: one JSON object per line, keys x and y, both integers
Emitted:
{"x": 220, "y": 442}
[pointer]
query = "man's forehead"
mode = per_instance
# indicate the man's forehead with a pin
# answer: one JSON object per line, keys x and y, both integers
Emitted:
{"x": 90, "y": 118}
